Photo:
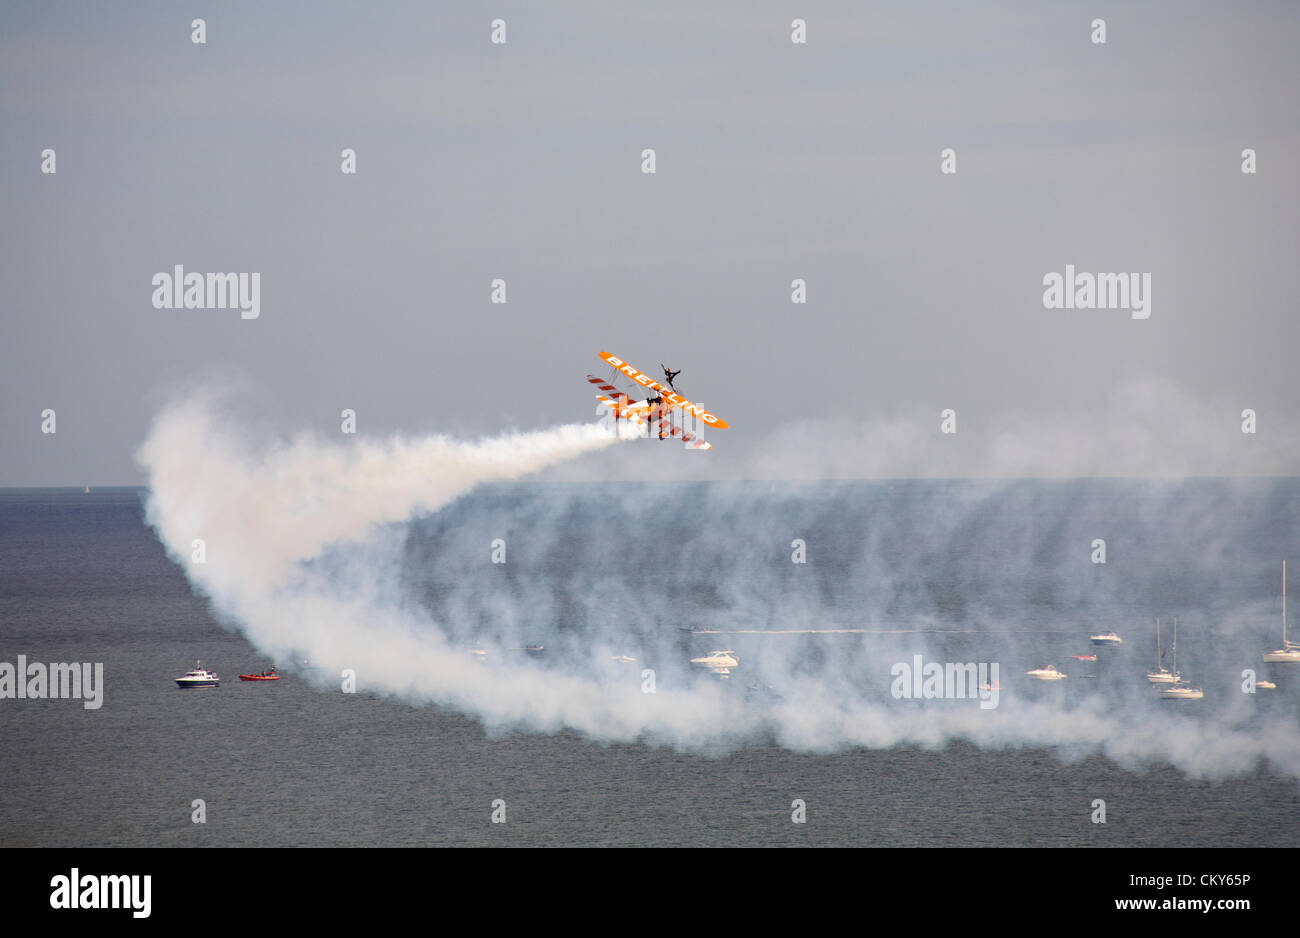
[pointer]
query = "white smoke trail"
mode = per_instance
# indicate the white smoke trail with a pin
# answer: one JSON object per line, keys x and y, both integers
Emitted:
{"x": 267, "y": 518}
{"x": 303, "y": 538}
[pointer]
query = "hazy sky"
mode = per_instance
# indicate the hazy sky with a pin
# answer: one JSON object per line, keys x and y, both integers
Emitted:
{"x": 775, "y": 161}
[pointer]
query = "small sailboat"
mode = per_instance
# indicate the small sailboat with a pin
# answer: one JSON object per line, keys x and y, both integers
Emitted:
{"x": 1290, "y": 651}
{"x": 1179, "y": 689}
{"x": 1161, "y": 674}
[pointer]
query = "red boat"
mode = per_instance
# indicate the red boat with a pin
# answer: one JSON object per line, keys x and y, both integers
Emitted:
{"x": 264, "y": 676}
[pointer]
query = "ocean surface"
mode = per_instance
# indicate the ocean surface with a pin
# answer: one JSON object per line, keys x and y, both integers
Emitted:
{"x": 966, "y": 571}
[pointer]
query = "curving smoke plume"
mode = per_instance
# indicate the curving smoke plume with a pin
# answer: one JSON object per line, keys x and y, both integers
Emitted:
{"x": 374, "y": 557}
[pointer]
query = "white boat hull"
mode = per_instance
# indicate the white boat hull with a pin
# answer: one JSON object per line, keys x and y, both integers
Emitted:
{"x": 1045, "y": 674}
{"x": 1182, "y": 693}
{"x": 1282, "y": 656}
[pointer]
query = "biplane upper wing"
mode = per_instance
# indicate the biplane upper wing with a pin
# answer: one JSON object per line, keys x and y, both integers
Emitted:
{"x": 670, "y": 396}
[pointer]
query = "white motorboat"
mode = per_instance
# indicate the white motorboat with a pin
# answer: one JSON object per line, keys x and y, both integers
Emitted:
{"x": 1106, "y": 638}
{"x": 717, "y": 662}
{"x": 199, "y": 677}
{"x": 1161, "y": 674}
{"x": 1290, "y": 651}
{"x": 1046, "y": 673}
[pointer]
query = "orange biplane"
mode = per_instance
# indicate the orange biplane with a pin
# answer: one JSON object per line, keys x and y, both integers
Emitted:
{"x": 656, "y": 407}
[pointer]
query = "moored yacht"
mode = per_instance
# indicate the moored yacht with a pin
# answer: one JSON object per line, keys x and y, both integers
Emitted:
{"x": 1180, "y": 691}
{"x": 1106, "y": 638}
{"x": 717, "y": 662}
{"x": 199, "y": 677}
{"x": 1161, "y": 674}
{"x": 1046, "y": 673}
{"x": 1290, "y": 651}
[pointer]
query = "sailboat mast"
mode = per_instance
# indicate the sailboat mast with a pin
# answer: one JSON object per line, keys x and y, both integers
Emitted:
{"x": 1284, "y": 604}
{"x": 1157, "y": 643}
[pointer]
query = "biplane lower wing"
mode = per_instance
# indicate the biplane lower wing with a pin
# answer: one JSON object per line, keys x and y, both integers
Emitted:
{"x": 669, "y": 429}
{"x": 642, "y": 412}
